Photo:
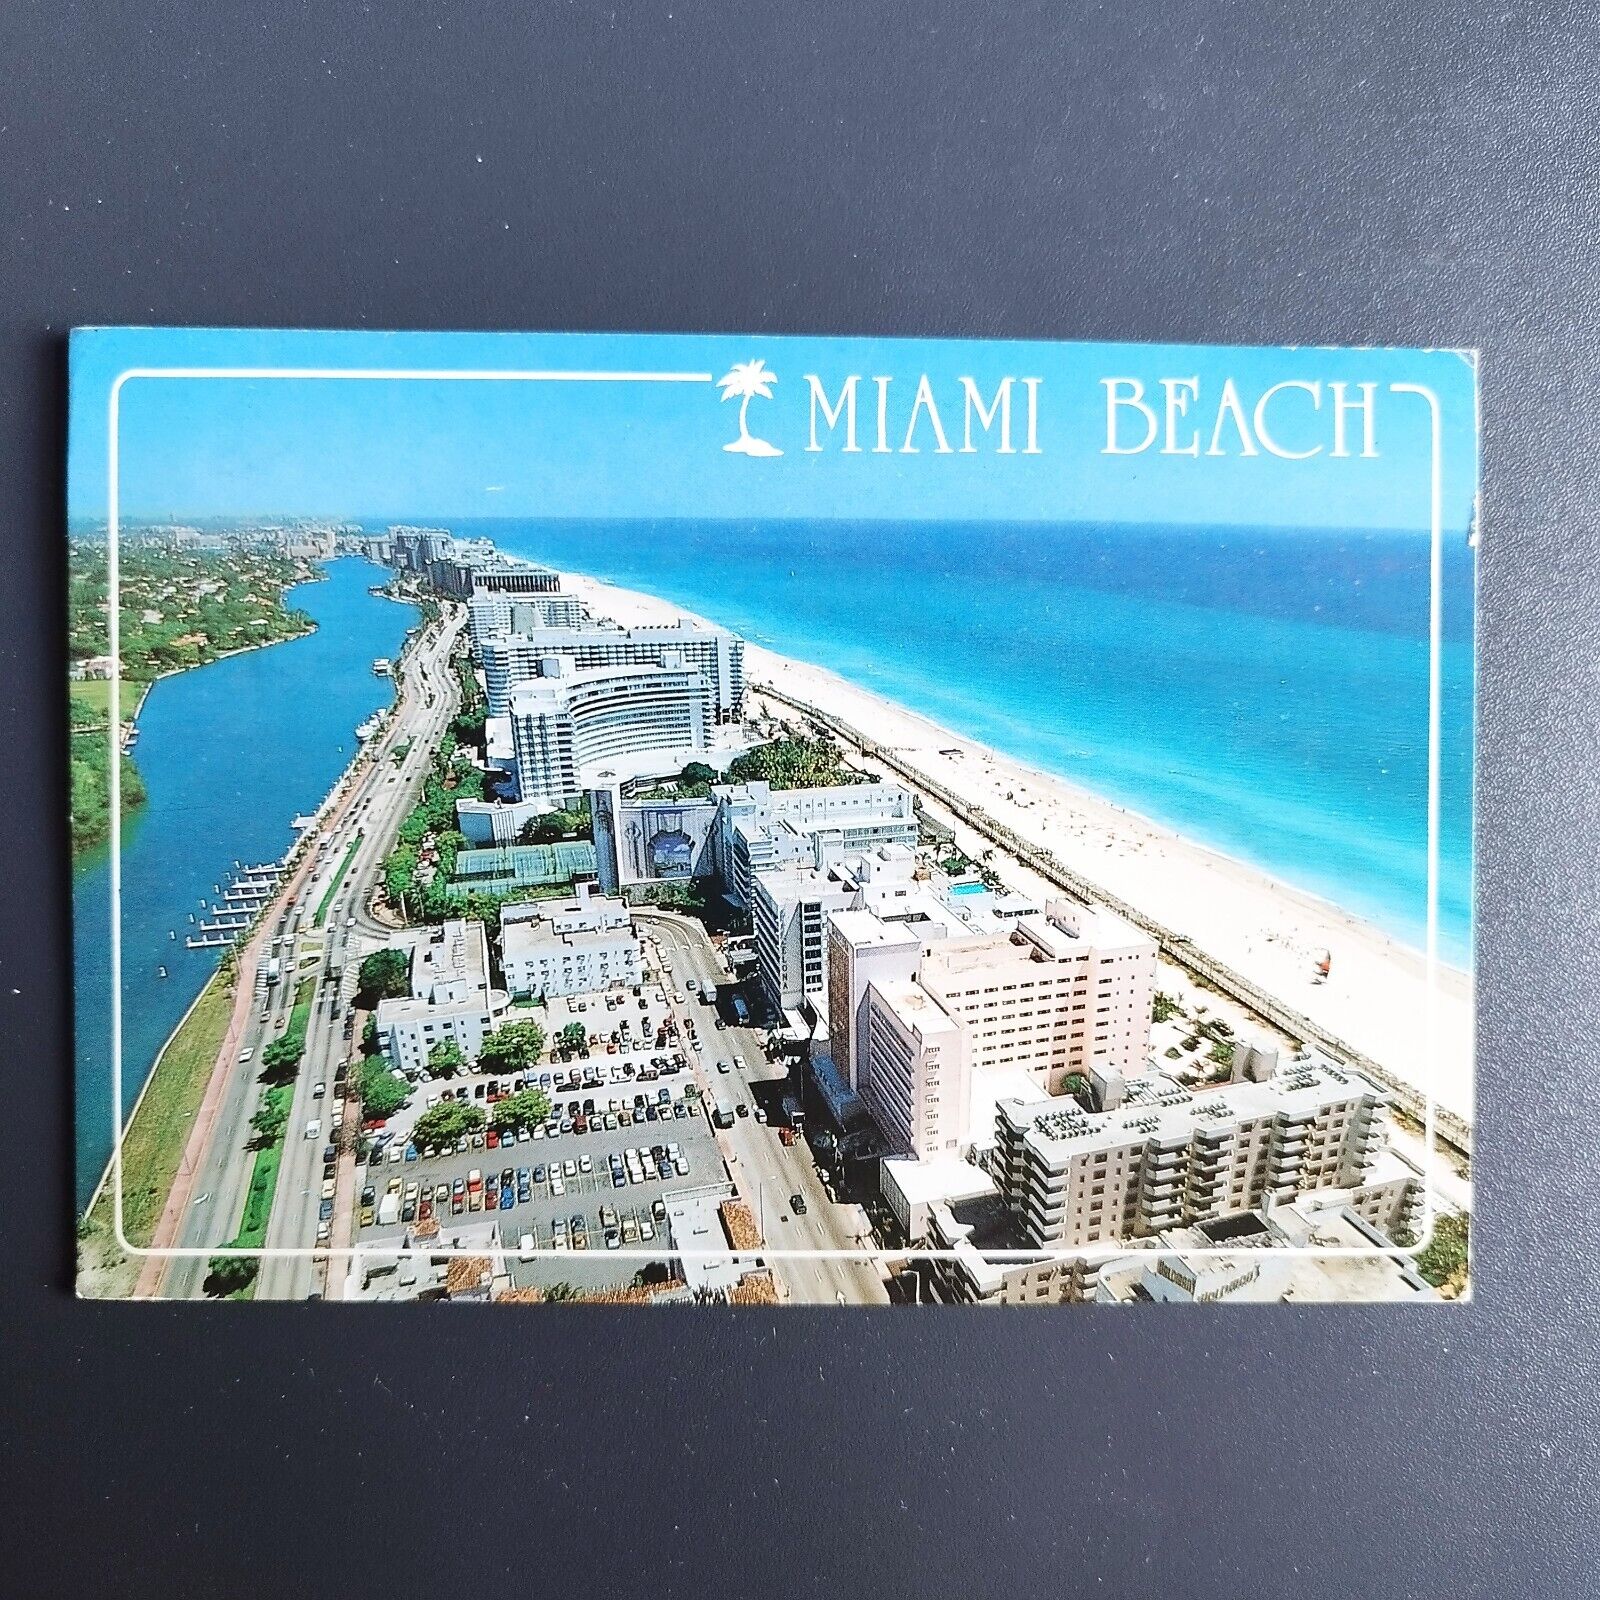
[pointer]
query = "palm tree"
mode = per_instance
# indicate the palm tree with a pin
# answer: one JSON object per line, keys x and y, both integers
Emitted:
{"x": 747, "y": 380}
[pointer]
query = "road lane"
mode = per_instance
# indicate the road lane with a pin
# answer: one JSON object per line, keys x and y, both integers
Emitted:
{"x": 767, "y": 1171}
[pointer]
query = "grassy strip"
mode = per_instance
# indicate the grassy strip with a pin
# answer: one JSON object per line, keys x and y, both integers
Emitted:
{"x": 252, "y": 1234}
{"x": 333, "y": 886}
{"x": 153, "y": 1144}
{"x": 300, "y": 1015}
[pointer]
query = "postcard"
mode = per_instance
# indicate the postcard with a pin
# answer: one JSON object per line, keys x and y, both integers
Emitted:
{"x": 752, "y": 820}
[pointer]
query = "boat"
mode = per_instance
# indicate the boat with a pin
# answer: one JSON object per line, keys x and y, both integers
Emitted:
{"x": 161, "y": 972}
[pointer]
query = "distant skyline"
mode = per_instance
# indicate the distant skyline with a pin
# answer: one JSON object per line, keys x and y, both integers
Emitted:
{"x": 438, "y": 449}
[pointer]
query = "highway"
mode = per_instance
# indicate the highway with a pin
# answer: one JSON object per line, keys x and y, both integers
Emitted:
{"x": 387, "y": 793}
{"x": 766, "y": 1171}
{"x": 376, "y": 804}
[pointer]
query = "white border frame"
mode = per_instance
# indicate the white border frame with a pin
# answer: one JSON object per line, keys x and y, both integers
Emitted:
{"x": 1104, "y": 1250}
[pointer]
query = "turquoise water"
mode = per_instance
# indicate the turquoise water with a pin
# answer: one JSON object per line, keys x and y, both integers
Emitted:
{"x": 968, "y": 888}
{"x": 230, "y": 754}
{"x": 1263, "y": 691}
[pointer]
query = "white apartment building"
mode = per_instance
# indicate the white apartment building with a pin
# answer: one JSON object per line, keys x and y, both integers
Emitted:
{"x": 513, "y": 656}
{"x": 1166, "y": 1157}
{"x": 1065, "y": 992}
{"x": 493, "y": 612}
{"x": 789, "y": 912}
{"x": 790, "y": 907}
{"x": 571, "y": 946}
{"x": 1285, "y": 1255}
{"x": 569, "y": 723}
{"x": 450, "y": 997}
{"x": 759, "y": 828}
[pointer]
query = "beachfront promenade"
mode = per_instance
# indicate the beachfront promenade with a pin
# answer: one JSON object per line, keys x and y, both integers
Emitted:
{"x": 1177, "y": 948}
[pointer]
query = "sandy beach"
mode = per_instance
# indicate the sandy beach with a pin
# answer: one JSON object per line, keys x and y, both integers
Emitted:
{"x": 1376, "y": 993}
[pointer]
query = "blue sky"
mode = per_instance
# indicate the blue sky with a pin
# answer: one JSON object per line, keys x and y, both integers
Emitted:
{"x": 433, "y": 450}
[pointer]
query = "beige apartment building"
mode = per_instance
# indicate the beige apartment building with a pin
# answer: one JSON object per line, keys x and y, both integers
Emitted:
{"x": 917, "y": 1013}
{"x": 1167, "y": 1158}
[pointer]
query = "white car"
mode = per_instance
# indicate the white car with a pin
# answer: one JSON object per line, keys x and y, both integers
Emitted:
{"x": 557, "y": 1187}
{"x": 314, "y": 1128}
{"x": 245, "y": 1055}
{"x": 569, "y": 1169}
{"x": 647, "y": 1229}
{"x": 525, "y": 1247}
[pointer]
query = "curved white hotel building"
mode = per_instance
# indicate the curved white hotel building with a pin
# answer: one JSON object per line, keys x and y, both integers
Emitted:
{"x": 512, "y": 657}
{"x": 630, "y": 717}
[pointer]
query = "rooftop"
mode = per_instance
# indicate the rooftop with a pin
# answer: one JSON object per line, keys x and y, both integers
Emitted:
{"x": 1159, "y": 1109}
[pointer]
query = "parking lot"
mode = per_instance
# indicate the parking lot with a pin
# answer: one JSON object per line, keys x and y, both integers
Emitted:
{"x": 575, "y": 1205}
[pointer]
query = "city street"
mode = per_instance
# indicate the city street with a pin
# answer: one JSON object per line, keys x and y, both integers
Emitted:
{"x": 766, "y": 1171}
{"x": 386, "y": 793}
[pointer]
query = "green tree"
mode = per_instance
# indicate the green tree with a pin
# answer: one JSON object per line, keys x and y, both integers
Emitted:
{"x": 511, "y": 1048}
{"x": 573, "y": 1035}
{"x": 382, "y": 1092}
{"x": 385, "y": 974}
{"x": 525, "y": 1109}
{"x": 227, "y": 1275}
{"x": 699, "y": 772}
{"x": 1165, "y": 1006}
{"x": 282, "y": 1056}
{"x": 270, "y": 1121}
{"x": 1444, "y": 1258}
{"x": 447, "y": 1122}
{"x": 794, "y": 763}
{"x": 446, "y": 1059}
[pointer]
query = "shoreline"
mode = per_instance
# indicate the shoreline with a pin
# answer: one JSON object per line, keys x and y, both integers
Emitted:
{"x": 87, "y": 857}
{"x": 1272, "y": 932}
{"x": 125, "y": 727}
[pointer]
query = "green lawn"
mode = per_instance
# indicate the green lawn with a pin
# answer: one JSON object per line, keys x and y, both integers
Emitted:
{"x": 333, "y": 884}
{"x": 92, "y": 697}
{"x": 300, "y": 1015}
{"x": 154, "y": 1141}
{"x": 252, "y": 1234}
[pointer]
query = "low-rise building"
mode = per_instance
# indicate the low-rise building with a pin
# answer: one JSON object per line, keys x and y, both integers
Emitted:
{"x": 1316, "y": 1250}
{"x": 563, "y": 947}
{"x": 450, "y": 996}
{"x": 759, "y": 828}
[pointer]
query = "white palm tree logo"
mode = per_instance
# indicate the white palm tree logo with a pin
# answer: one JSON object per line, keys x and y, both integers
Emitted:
{"x": 745, "y": 381}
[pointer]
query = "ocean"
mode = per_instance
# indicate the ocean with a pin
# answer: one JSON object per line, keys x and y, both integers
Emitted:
{"x": 1262, "y": 691}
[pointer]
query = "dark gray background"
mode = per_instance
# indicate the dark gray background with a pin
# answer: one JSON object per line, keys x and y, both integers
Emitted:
{"x": 1243, "y": 172}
